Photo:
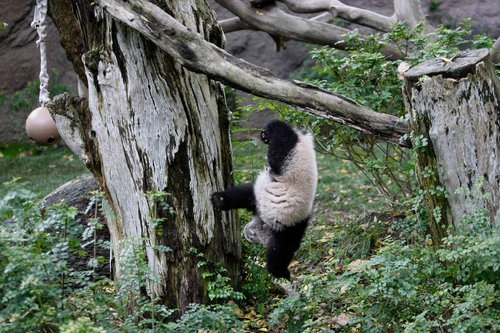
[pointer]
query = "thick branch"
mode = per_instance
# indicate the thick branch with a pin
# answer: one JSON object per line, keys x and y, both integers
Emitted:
{"x": 233, "y": 24}
{"x": 196, "y": 54}
{"x": 495, "y": 52}
{"x": 411, "y": 12}
{"x": 349, "y": 13}
{"x": 278, "y": 23}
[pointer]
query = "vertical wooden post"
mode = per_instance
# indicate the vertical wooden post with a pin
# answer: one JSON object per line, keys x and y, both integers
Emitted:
{"x": 454, "y": 105}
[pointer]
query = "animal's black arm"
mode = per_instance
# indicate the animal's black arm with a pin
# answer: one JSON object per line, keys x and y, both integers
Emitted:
{"x": 241, "y": 196}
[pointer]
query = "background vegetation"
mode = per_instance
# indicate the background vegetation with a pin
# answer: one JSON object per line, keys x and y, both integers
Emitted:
{"x": 366, "y": 264}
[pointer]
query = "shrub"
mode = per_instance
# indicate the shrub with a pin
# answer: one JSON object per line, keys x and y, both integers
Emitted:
{"x": 409, "y": 288}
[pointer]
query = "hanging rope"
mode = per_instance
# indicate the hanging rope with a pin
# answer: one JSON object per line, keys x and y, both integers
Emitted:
{"x": 40, "y": 24}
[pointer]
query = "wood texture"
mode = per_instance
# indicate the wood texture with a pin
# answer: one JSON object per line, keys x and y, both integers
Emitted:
{"x": 152, "y": 125}
{"x": 454, "y": 103}
{"x": 196, "y": 54}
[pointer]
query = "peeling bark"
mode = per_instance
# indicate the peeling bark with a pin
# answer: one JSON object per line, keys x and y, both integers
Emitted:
{"x": 196, "y": 54}
{"x": 151, "y": 125}
{"x": 455, "y": 105}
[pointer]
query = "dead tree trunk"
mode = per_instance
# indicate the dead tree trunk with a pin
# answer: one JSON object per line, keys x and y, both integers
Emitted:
{"x": 151, "y": 126}
{"x": 454, "y": 104}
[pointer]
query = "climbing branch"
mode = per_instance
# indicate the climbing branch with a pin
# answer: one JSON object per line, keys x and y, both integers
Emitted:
{"x": 349, "y": 13}
{"x": 268, "y": 17}
{"x": 193, "y": 52}
{"x": 276, "y": 22}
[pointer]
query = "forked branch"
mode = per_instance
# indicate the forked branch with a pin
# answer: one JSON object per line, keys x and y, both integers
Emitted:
{"x": 276, "y": 22}
{"x": 271, "y": 19}
{"x": 352, "y": 14}
{"x": 198, "y": 55}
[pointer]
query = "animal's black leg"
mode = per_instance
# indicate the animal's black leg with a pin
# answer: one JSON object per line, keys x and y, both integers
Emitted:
{"x": 281, "y": 248}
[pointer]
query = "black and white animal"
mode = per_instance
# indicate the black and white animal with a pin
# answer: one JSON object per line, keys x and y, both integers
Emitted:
{"x": 282, "y": 197}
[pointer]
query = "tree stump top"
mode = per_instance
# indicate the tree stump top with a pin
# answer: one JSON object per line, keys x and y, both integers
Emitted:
{"x": 456, "y": 67}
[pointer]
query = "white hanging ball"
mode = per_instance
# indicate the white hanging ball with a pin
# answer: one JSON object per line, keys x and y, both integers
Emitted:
{"x": 41, "y": 128}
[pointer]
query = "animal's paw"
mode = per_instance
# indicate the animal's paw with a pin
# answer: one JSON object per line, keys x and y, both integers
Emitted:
{"x": 218, "y": 200}
{"x": 257, "y": 232}
{"x": 265, "y": 137}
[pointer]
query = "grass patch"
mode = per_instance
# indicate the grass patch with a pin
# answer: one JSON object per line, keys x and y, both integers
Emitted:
{"x": 38, "y": 169}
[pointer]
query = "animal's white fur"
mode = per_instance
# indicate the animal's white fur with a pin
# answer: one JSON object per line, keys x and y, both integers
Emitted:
{"x": 286, "y": 199}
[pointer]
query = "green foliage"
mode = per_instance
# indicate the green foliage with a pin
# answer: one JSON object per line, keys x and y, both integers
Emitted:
{"x": 36, "y": 280}
{"x": 27, "y": 98}
{"x": 405, "y": 287}
{"x": 218, "y": 283}
{"x": 158, "y": 210}
{"x": 41, "y": 291}
{"x": 81, "y": 325}
{"x": 285, "y": 316}
{"x": 434, "y": 5}
{"x": 214, "y": 318}
{"x": 444, "y": 42}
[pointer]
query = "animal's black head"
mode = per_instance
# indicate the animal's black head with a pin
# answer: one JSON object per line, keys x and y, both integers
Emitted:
{"x": 276, "y": 131}
{"x": 281, "y": 139}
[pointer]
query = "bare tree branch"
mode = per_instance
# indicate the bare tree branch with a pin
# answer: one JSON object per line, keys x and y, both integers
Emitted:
{"x": 278, "y": 23}
{"x": 349, "y": 13}
{"x": 198, "y": 55}
{"x": 410, "y": 12}
{"x": 233, "y": 24}
{"x": 495, "y": 52}
{"x": 311, "y": 6}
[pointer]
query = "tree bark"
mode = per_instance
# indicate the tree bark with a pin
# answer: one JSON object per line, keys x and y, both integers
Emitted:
{"x": 193, "y": 52}
{"x": 454, "y": 104}
{"x": 153, "y": 126}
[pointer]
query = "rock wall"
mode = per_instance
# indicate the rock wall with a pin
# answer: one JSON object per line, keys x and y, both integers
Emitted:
{"x": 20, "y": 62}
{"x": 19, "y": 56}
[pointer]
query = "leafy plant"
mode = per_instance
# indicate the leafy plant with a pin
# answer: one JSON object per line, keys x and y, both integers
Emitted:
{"x": 159, "y": 209}
{"x": 218, "y": 283}
{"x": 412, "y": 288}
{"x": 212, "y": 318}
{"x": 27, "y": 98}
{"x": 36, "y": 279}
{"x": 81, "y": 325}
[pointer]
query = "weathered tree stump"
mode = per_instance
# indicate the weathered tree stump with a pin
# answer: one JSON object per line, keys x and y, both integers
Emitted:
{"x": 155, "y": 136}
{"x": 454, "y": 104}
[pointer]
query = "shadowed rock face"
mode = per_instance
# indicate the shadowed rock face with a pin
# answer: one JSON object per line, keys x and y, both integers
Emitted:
{"x": 19, "y": 56}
